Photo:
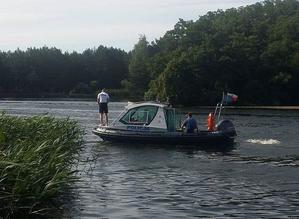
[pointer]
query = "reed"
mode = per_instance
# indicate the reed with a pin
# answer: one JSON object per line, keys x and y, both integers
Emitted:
{"x": 37, "y": 158}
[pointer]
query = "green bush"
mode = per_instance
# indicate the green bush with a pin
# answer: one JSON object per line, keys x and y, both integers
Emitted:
{"x": 37, "y": 158}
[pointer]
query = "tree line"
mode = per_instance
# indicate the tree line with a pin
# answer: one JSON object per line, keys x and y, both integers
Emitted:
{"x": 39, "y": 72}
{"x": 252, "y": 51}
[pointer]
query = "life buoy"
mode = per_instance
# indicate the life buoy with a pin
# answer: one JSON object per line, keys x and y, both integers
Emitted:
{"x": 211, "y": 122}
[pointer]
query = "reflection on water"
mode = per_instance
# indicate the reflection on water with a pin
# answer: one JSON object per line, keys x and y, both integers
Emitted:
{"x": 251, "y": 180}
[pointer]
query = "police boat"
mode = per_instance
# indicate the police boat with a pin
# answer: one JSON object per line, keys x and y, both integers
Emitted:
{"x": 158, "y": 123}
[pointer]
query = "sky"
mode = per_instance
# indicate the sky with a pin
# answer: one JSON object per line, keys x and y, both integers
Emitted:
{"x": 75, "y": 25}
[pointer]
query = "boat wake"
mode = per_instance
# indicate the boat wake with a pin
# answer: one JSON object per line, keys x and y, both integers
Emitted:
{"x": 263, "y": 141}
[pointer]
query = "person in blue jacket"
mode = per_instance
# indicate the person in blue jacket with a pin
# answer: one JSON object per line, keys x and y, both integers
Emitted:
{"x": 190, "y": 124}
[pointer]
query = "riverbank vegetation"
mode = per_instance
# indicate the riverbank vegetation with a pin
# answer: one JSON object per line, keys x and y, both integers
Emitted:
{"x": 252, "y": 51}
{"x": 37, "y": 158}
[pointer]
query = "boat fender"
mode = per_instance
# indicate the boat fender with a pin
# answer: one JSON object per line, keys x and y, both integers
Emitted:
{"x": 211, "y": 122}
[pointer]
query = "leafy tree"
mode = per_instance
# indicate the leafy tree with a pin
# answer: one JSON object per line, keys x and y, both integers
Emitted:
{"x": 139, "y": 76}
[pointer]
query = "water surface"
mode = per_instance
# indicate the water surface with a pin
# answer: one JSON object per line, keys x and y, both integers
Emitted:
{"x": 257, "y": 179}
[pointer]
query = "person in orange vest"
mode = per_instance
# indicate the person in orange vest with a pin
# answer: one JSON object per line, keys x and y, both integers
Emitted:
{"x": 211, "y": 122}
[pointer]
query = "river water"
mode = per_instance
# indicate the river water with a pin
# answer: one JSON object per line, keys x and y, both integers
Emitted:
{"x": 259, "y": 178}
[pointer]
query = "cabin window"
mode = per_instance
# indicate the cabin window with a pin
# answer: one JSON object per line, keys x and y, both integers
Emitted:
{"x": 140, "y": 115}
{"x": 173, "y": 119}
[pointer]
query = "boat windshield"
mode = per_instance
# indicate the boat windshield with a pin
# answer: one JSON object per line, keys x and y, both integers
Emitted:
{"x": 140, "y": 115}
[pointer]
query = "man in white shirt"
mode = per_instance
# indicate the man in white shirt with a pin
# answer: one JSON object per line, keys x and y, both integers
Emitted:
{"x": 103, "y": 99}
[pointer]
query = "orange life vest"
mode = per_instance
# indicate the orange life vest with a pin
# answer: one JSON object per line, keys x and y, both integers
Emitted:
{"x": 211, "y": 122}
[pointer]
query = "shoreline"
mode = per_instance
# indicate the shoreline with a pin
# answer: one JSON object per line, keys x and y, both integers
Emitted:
{"x": 182, "y": 107}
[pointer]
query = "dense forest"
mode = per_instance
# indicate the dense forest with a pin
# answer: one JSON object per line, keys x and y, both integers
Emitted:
{"x": 252, "y": 51}
{"x": 47, "y": 72}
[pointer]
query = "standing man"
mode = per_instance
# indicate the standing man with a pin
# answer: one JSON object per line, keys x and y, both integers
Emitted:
{"x": 103, "y": 99}
{"x": 190, "y": 124}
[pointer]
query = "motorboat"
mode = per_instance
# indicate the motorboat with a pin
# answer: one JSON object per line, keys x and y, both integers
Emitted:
{"x": 158, "y": 123}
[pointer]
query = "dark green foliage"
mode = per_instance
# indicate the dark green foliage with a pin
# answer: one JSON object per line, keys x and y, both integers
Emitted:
{"x": 37, "y": 72}
{"x": 139, "y": 76}
{"x": 252, "y": 51}
{"x": 37, "y": 156}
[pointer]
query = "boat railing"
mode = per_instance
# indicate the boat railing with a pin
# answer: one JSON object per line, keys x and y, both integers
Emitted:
{"x": 219, "y": 108}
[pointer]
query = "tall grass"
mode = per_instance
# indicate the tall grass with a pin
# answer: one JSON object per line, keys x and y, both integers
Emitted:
{"x": 37, "y": 156}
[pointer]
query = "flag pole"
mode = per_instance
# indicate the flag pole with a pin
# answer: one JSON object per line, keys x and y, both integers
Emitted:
{"x": 221, "y": 105}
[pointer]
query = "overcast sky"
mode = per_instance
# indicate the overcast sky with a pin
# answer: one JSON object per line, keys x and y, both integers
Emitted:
{"x": 75, "y": 25}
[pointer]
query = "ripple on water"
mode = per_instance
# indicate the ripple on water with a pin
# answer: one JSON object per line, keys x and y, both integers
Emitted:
{"x": 263, "y": 141}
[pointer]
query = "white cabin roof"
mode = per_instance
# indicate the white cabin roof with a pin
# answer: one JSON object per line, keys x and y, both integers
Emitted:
{"x": 146, "y": 103}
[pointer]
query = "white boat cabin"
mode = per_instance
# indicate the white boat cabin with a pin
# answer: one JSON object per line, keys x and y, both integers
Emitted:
{"x": 145, "y": 116}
